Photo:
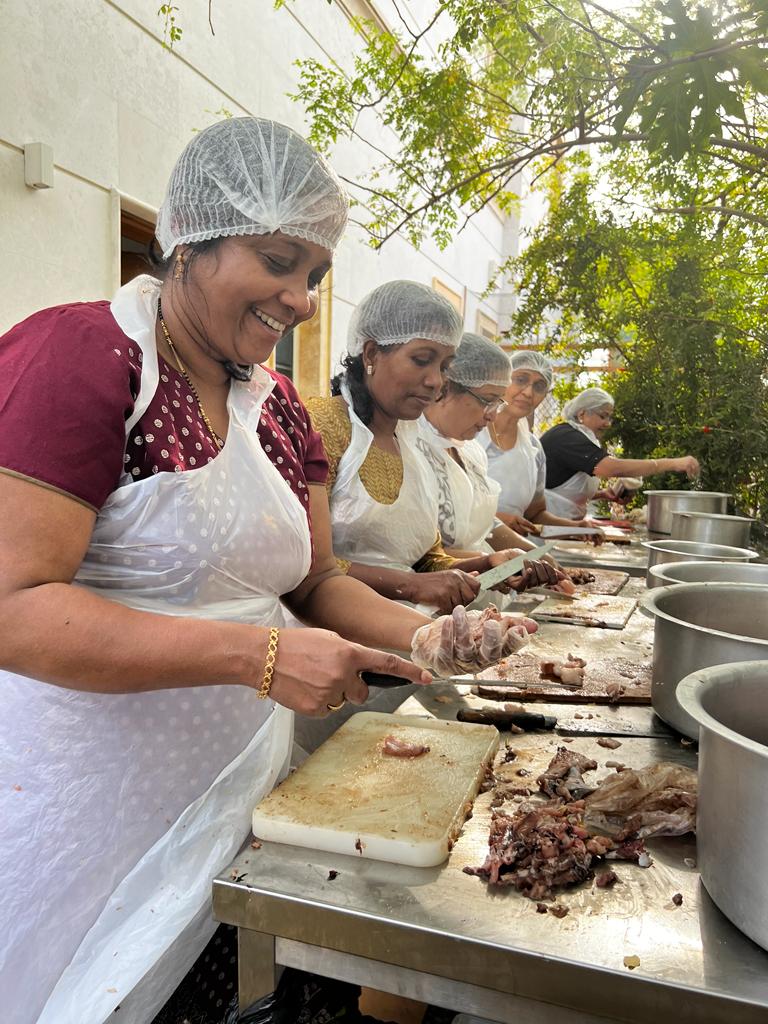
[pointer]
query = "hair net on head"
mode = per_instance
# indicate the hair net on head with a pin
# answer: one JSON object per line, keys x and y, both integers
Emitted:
{"x": 399, "y": 311}
{"x": 479, "y": 361}
{"x": 586, "y": 401}
{"x": 535, "y": 361}
{"x": 250, "y": 176}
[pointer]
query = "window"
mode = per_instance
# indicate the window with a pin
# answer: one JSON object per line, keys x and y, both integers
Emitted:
{"x": 284, "y": 355}
{"x": 456, "y": 300}
{"x": 136, "y": 234}
{"x": 486, "y": 327}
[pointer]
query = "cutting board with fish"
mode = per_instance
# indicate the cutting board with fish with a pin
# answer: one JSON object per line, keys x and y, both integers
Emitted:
{"x": 600, "y": 610}
{"x": 609, "y": 678}
{"x": 350, "y": 797}
{"x": 605, "y": 581}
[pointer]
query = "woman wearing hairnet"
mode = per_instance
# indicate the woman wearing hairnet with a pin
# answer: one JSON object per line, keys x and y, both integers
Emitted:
{"x": 576, "y": 459}
{"x": 384, "y": 503}
{"x": 472, "y": 400}
{"x": 516, "y": 459}
{"x": 163, "y": 493}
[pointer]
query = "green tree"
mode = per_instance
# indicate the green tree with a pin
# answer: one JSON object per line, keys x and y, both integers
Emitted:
{"x": 685, "y": 303}
{"x": 487, "y": 89}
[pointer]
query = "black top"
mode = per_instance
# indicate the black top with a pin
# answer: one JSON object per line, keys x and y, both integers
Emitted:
{"x": 569, "y": 451}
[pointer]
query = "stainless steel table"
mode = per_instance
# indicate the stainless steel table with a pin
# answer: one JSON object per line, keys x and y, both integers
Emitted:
{"x": 444, "y": 937}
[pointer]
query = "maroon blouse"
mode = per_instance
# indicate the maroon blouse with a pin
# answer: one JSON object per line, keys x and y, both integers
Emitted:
{"x": 69, "y": 378}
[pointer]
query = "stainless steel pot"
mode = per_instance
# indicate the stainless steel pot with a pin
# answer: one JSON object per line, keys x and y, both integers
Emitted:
{"x": 711, "y": 528}
{"x": 698, "y": 625}
{"x": 708, "y": 572}
{"x": 661, "y": 505}
{"x": 730, "y": 705}
{"x": 661, "y": 551}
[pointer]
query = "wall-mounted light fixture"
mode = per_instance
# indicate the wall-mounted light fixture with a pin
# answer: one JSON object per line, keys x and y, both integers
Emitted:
{"x": 38, "y": 165}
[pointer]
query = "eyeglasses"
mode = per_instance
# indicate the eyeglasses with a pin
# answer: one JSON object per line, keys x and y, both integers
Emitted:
{"x": 491, "y": 405}
{"x": 523, "y": 380}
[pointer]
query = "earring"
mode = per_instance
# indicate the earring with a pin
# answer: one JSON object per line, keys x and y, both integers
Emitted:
{"x": 369, "y": 370}
{"x": 178, "y": 269}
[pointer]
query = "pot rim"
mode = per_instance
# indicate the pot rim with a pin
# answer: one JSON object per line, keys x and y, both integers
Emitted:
{"x": 661, "y": 545}
{"x": 658, "y": 572}
{"x": 692, "y": 688}
{"x": 701, "y": 494}
{"x": 649, "y": 600}
{"x": 712, "y": 515}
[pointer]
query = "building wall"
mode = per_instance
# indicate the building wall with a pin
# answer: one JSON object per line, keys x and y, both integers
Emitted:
{"x": 92, "y": 79}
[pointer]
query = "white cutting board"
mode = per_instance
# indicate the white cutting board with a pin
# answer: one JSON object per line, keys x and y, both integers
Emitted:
{"x": 349, "y": 797}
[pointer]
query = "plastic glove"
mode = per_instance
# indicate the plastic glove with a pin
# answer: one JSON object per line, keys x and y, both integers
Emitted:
{"x": 469, "y": 641}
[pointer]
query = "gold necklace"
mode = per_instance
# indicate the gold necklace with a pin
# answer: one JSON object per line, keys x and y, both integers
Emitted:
{"x": 218, "y": 441}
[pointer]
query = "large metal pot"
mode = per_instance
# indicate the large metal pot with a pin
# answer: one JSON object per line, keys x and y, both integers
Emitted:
{"x": 711, "y": 528}
{"x": 699, "y": 625}
{"x": 661, "y": 505}
{"x": 667, "y": 573}
{"x": 661, "y": 551}
{"x": 730, "y": 705}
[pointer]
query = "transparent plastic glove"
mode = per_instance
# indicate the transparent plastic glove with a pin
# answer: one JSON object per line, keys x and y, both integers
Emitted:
{"x": 469, "y": 641}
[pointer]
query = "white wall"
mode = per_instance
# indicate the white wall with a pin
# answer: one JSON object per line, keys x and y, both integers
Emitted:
{"x": 92, "y": 79}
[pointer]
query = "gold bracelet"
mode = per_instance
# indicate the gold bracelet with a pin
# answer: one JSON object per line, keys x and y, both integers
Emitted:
{"x": 269, "y": 664}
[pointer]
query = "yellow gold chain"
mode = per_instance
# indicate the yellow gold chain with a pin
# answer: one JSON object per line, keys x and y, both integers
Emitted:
{"x": 218, "y": 441}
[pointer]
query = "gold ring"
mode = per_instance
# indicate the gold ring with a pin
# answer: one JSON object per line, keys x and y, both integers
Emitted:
{"x": 337, "y": 707}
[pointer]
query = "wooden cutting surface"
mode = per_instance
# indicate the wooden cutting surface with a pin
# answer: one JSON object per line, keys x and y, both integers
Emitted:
{"x": 605, "y": 582}
{"x": 611, "y": 656}
{"x": 592, "y": 610}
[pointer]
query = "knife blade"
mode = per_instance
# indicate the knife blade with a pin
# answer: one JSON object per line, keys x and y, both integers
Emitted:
{"x": 499, "y": 573}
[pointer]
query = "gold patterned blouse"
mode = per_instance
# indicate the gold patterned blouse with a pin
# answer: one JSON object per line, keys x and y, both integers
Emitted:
{"x": 381, "y": 474}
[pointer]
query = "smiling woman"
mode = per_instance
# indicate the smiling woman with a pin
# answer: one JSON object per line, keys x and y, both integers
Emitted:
{"x": 163, "y": 498}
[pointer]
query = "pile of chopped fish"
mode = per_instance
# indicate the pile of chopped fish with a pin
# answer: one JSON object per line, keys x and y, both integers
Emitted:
{"x": 540, "y": 848}
{"x": 580, "y": 576}
{"x": 394, "y": 747}
{"x": 563, "y": 777}
{"x": 543, "y": 848}
{"x": 569, "y": 672}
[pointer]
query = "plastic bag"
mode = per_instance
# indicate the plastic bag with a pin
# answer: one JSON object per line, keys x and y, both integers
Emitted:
{"x": 302, "y": 998}
{"x": 659, "y": 800}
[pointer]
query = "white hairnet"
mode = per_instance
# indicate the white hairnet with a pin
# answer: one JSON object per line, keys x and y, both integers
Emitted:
{"x": 586, "y": 401}
{"x": 399, "y": 311}
{"x": 250, "y": 176}
{"x": 535, "y": 361}
{"x": 479, "y": 361}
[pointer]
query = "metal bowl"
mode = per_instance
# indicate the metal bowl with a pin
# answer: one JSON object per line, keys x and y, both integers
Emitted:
{"x": 730, "y": 705}
{"x": 711, "y": 528}
{"x": 698, "y": 625}
{"x": 661, "y": 505}
{"x": 667, "y": 573}
{"x": 661, "y": 551}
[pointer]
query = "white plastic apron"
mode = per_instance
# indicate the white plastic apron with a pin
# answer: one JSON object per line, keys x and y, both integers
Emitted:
{"x": 467, "y": 497}
{"x": 515, "y": 470}
{"x": 569, "y": 499}
{"x": 395, "y": 536}
{"x": 127, "y": 805}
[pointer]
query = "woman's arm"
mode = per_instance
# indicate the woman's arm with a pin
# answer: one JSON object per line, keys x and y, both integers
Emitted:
{"x": 537, "y": 513}
{"x": 610, "y": 466}
{"x": 357, "y": 603}
{"x": 63, "y": 634}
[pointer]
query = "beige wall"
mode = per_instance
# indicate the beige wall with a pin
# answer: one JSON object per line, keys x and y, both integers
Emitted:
{"x": 92, "y": 79}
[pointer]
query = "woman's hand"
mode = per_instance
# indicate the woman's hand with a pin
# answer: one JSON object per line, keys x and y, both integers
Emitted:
{"x": 688, "y": 465}
{"x": 542, "y": 572}
{"x": 469, "y": 641}
{"x": 519, "y": 524}
{"x": 443, "y": 590}
{"x": 315, "y": 669}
